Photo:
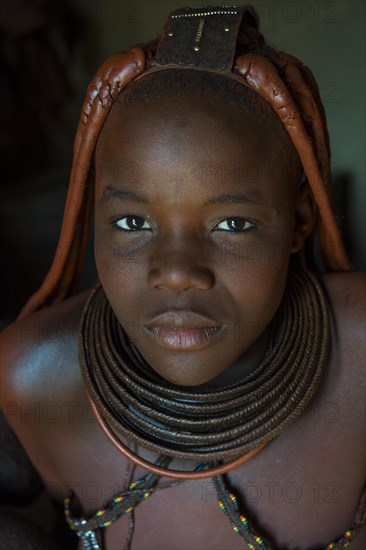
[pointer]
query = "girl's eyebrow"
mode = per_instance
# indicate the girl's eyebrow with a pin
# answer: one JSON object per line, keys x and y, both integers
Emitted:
{"x": 111, "y": 192}
{"x": 251, "y": 197}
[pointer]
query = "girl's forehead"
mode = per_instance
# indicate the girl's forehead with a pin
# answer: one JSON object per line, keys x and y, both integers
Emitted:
{"x": 182, "y": 93}
{"x": 187, "y": 114}
{"x": 189, "y": 149}
{"x": 193, "y": 116}
{"x": 190, "y": 130}
{"x": 186, "y": 89}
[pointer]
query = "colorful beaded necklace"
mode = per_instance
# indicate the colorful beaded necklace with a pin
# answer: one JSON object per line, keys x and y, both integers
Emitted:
{"x": 229, "y": 505}
{"x": 142, "y": 489}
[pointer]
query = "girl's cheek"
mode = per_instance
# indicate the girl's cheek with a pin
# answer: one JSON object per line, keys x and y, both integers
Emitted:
{"x": 250, "y": 255}
{"x": 116, "y": 259}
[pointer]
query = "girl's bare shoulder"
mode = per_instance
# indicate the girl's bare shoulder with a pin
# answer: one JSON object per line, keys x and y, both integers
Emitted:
{"x": 347, "y": 296}
{"x": 39, "y": 375}
{"x": 38, "y": 352}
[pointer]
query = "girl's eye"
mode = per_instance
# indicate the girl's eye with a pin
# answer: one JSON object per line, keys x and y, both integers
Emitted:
{"x": 235, "y": 225}
{"x": 132, "y": 223}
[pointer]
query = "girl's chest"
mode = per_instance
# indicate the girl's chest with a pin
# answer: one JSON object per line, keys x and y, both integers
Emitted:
{"x": 302, "y": 489}
{"x": 293, "y": 513}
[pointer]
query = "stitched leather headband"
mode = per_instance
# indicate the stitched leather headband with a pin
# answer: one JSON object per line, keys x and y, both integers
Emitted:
{"x": 200, "y": 38}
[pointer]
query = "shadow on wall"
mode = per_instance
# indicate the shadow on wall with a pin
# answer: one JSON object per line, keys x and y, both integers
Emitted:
{"x": 39, "y": 46}
{"x": 38, "y": 41}
{"x": 343, "y": 184}
{"x": 29, "y": 231}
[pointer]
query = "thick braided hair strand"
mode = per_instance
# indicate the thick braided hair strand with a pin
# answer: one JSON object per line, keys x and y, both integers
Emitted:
{"x": 279, "y": 78}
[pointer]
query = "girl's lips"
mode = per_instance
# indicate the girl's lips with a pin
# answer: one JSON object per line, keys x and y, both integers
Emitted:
{"x": 184, "y": 339}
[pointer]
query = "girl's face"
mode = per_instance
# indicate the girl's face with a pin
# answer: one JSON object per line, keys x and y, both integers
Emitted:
{"x": 195, "y": 223}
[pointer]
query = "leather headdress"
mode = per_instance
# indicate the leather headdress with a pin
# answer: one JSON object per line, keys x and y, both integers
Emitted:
{"x": 203, "y": 39}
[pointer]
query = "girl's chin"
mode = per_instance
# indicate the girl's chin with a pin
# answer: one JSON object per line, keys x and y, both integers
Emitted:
{"x": 190, "y": 376}
{"x": 199, "y": 376}
{"x": 179, "y": 379}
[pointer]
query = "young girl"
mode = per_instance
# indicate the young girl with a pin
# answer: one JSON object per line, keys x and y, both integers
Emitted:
{"x": 210, "y": 374}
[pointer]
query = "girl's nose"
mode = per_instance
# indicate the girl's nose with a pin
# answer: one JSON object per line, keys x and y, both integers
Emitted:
{"x": 180, "y": 267}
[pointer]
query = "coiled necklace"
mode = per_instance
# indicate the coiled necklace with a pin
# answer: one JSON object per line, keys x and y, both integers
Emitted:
{"x": 232, "y": 422}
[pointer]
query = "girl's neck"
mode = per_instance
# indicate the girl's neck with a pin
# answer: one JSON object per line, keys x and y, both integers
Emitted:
{"x": 243, "y": 366}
